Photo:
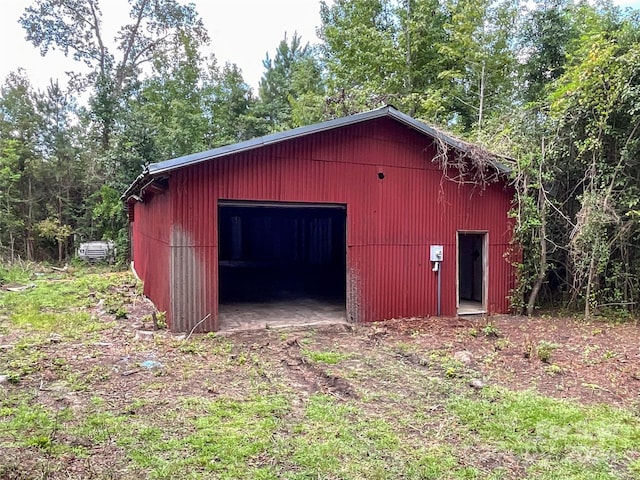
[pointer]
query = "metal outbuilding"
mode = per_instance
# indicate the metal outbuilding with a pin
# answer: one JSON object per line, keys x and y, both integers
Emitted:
{"x": 376, "y": 212}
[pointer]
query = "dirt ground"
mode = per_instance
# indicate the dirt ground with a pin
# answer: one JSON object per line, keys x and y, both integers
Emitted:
{"x": 135, "y": 370}
{"x": 591, "y": 362}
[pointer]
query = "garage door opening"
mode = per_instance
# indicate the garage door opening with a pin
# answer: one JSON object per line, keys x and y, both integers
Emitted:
{"x": 281, "y": 263}
{"x": 472, "y": 273}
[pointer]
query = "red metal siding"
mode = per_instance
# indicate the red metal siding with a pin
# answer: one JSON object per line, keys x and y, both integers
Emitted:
{"x": 151, "y": 234}
{"x": 390, "y": 222}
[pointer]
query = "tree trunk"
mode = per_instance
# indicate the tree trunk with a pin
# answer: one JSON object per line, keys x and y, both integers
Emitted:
{"x": 29, "y": 232}
{"x": 542, "y": 265}
{"x": 481, "y": 107}
{"x": 12, "y": 242}
{"x": 587, "y": 303}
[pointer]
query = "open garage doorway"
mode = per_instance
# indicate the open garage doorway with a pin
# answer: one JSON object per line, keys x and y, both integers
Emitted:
{"x": 472, "y": 272}
{"x": 281, "y": 264}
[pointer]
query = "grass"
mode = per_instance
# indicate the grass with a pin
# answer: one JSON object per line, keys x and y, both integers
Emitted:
{"x": 230, "y": 408}
{"x": 326, "y": 357}
{"x": 58, "y": 301}
{"x": 563, "y": 439}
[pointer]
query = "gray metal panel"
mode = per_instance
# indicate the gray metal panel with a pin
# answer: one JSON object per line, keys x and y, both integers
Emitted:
{"x": 192, "y": 306}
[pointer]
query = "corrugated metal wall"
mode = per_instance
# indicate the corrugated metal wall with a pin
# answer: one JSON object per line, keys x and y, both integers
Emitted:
{"x": 151, "y": 247}
{"x": 391, "y": 222}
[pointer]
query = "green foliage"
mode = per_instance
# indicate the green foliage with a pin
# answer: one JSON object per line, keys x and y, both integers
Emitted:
{"x": 290, "y": 91}
{"x": 228, "y": 104}
{"x": 594, "y": 108}
{"x": 11, "y": 223}
{"x": 32, "y": 426}
{"x": 445, "y": 61}
{"x": 328, "y": 357}
{"x": 526, "y": 423}
{"x": 548, "y": 34}
{"x": 108, "y": 212}
{"x": 545, "y": 349}
{"x": 51, "y": 229}
{"x": 490, "y": 330}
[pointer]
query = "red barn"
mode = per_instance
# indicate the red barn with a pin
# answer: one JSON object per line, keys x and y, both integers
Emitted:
{"x": 361, "y": 213}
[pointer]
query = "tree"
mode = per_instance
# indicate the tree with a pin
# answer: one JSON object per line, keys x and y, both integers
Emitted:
{"x": 480, "y": 60}
{"x": 75, "y": 26}
{"x": 20, "y": 125}
{"x": 449, "y": 62}
{"x": 290, "y": 86}
{"x": 361, "y": 54}
{"x": 229, "y": 105}
{"x": 545, "y": 41}
{"x": 595, "y": 107}
{"x": 171, "y": 101}
{"x": 11, "y": 224}
{"x": 64, "y": 161}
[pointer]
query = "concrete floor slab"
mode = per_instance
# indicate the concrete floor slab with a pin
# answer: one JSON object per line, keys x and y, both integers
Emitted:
{"x": 469, "y": 307}
{"x": 280, "y": 314}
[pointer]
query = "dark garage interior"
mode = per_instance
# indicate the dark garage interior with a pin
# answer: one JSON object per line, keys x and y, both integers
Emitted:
{"x": 281, "y": 253}
{"x": 470, "y": 269}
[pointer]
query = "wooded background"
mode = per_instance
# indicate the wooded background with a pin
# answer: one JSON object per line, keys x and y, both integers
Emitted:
{"x": 555, "y": 86}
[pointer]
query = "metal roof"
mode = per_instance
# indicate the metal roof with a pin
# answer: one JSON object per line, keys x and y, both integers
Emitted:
{"x": 166, "y": 166}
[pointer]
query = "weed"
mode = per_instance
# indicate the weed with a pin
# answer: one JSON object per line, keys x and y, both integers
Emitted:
{"x": 30, "y": 424}
{"x": 56, "y": 306}
{"x": 553, "y": 369}
{"x": 193, "y": 347}
{"x": 240, "y": 359}
{"x": 529, "y": 348}
{"x": 218, "y": 345}
{"x": 328, "y": 357}
{"x": 13, "y": 377}
{"x": 157, "y": 319}
{"x": 545, "y": 349}
{"x": 403, "y": 348}
{"x": 490, "y": 358}
{"x": 160, "y": 320}
{"x": 490, "y": 330}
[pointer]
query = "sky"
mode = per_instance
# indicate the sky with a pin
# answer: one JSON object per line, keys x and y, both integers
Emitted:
{"x": 241, "y": 31}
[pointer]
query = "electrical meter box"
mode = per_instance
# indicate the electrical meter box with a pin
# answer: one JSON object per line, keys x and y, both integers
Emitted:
{"x": 436, "y": 253}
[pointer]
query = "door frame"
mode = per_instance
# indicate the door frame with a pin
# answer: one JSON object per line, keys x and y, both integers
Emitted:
{"x": 485, "y": 267}
{"x": 344, "y": 207}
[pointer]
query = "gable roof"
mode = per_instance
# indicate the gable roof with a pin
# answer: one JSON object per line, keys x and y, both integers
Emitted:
{"x": 155, "y": 169}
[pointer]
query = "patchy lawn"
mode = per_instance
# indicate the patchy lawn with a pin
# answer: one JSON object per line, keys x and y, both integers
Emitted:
{"x": 86, "y": 393}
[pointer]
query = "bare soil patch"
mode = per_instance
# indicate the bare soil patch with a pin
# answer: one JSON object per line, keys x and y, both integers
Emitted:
{"x": 591, "y": 362}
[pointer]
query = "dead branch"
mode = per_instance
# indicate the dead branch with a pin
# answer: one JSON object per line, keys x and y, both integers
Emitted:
{"x": 196, "y": 326}
{"x": 471, "y": 164}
